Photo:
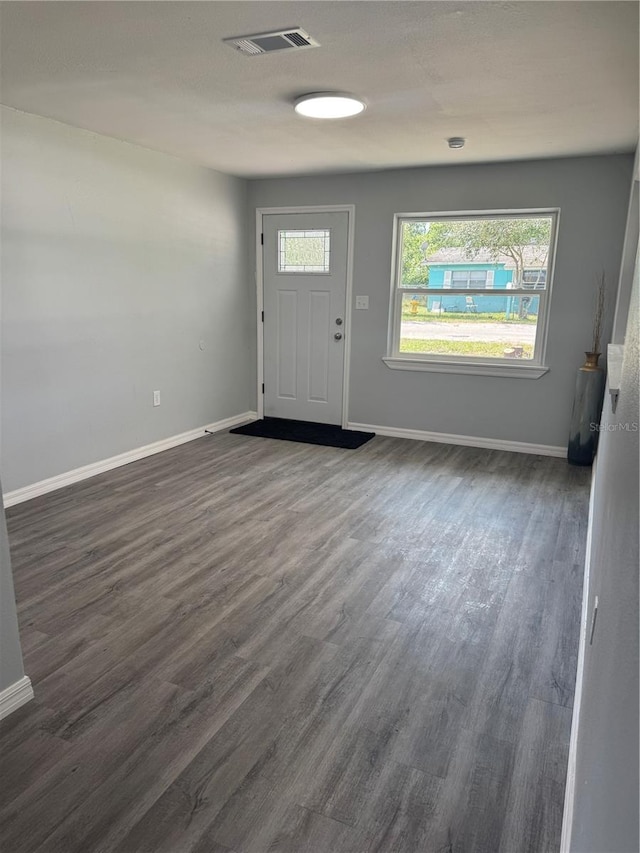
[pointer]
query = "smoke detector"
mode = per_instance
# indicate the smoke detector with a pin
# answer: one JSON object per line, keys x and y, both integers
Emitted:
{"x": 293, "y": 38}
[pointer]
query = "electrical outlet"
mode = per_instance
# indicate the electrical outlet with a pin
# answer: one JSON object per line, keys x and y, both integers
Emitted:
{"x": 362, "y": 303}
{"x": 156, "y": 398}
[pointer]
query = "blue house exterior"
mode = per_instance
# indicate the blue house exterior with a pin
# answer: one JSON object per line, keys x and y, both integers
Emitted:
{"x": 489, "y": 277}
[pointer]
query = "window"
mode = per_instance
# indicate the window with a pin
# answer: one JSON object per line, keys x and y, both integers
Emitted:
{"x": 303, "y": 251}
{"x": 468, "y": 278}
{"x": 534, "y": 279}
{"x": 462, "y": 297}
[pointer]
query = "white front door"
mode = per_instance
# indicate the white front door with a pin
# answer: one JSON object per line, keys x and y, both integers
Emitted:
{"x": 305, "y": 278}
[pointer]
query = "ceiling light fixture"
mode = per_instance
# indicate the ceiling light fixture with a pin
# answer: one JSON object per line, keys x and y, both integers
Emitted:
{"x": 328, "y": 105}
{"x": 456, "y": 141}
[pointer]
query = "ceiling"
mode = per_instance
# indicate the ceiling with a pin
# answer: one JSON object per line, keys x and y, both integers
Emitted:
{"x": 519, "y": 80}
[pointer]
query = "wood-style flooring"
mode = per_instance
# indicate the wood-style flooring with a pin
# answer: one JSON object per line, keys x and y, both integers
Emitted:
{"x": 250, "y": 645}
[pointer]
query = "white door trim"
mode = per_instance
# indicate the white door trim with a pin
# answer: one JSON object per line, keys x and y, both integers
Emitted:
{"x": 350, "y": 209}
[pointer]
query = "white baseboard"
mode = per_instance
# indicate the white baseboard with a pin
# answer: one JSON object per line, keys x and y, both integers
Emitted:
{"x": 570, "y": 787}
{"x": 465, "y": 440}
{"x": 42, "y": 487}
{"x": 14, "y": 696}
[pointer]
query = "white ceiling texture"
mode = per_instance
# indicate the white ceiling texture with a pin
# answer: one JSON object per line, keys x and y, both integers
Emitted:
{"x": 519, "y": 80}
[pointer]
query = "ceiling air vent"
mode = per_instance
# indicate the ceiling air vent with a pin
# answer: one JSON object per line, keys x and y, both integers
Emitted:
{"x": 293, "y": 38}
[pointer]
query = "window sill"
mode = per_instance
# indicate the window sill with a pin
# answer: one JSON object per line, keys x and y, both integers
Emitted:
{"x": 514, "y": 371}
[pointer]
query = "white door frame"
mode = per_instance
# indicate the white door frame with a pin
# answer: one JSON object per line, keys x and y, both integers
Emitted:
{"x": 350, "y": 209}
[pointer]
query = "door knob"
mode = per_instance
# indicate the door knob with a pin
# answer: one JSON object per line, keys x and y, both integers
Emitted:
{"x": 338, "y": 336}
{"x": 338, "y": 321}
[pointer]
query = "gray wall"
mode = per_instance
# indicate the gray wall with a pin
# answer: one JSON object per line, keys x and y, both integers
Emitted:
{"x": 116, "y": 262}
{"x": 592, "y": 194}
{"x": 10, "y": 653}
{"x": 628, "y": 258}
{"x": 605, "y": 816}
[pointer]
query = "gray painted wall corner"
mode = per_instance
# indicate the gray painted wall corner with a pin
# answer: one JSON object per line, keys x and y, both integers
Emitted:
{"x": 605, "y": 783}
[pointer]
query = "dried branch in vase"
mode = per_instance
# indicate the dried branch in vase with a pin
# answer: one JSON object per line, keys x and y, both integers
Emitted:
{"x": 598, "y": 318}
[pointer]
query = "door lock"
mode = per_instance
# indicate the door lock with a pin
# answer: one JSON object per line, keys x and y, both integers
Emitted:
{"x": 338, "y": 336}
{"x": 338, "y": 321}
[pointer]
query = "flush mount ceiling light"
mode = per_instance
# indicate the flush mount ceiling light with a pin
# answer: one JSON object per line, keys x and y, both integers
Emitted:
{"x": 456, "y": 142}
{"x": 328, "y": 105}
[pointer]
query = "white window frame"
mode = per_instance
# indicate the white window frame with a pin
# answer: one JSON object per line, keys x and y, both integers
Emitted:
{"x": 518, "y": 368}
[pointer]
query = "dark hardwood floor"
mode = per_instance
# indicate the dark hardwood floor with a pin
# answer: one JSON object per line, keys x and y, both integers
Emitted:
{"x": 250, "y": 645}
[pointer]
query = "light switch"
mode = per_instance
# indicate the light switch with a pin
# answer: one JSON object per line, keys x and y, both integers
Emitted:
{"x": 362, "y": 303}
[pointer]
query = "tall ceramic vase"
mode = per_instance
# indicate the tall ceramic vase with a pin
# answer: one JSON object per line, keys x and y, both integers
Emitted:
{"x": 587, "y": 407}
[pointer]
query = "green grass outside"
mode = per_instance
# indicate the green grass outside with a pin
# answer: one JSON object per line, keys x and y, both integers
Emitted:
{"x": 469, "y": 317}
{"x": 480, "y": 349}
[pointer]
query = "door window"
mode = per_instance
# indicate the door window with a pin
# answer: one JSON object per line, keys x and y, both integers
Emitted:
{"x": 304, "y": 251}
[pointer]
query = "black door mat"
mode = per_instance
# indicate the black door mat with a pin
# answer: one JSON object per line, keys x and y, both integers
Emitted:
{"x": 305, "y": 432}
